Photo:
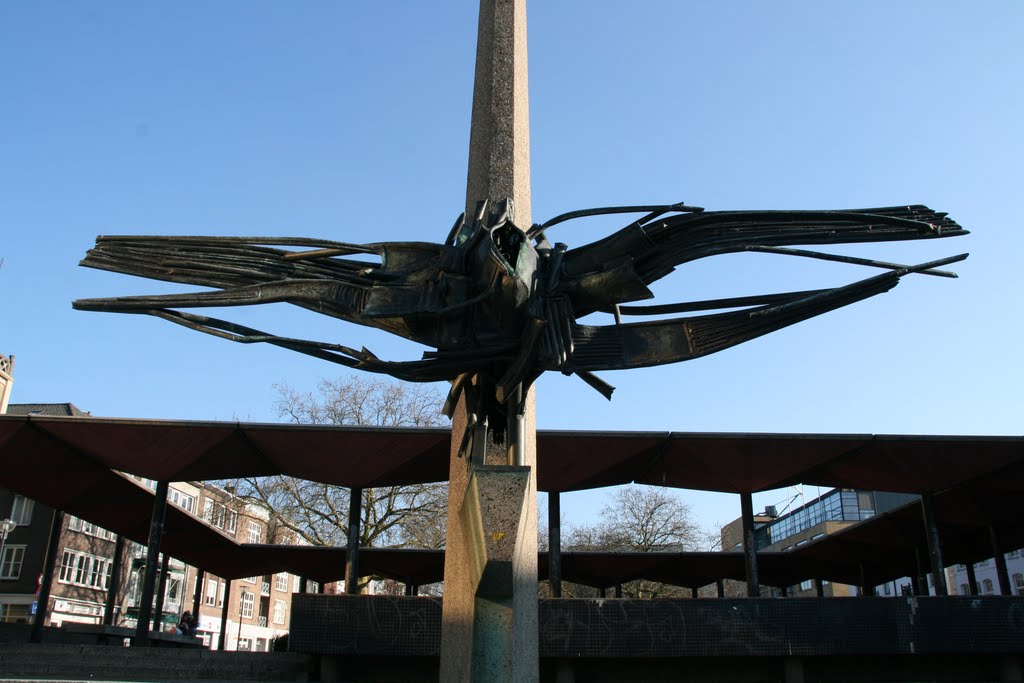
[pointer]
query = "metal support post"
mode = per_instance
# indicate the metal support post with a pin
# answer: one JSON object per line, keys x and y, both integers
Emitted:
{"x": 197, "y": 596}
{"x": 355, "y": 516}
{"x": 972, "y": 579}
{"x": 49, "y": 562}
{"x": 931, "y": 529}
{"x": 1002, "y": 572}
{"x": 555, "y": 543}
{"x": 115, "y": 581}
{"x": 749, "y": 547}
{"x": 224, "y": 616}
{"x": 819, "y": 588}
{"x": 156, "y": 534}
{"x": 720, "y": 585}
{"x": 158, "y": 609}
{"x": 303, "y": 584}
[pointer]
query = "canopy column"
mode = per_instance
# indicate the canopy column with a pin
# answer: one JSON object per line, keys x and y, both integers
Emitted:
{"x": 223, "y": 643}
{"x": 1001, "y": 570}
{"x": 115, "y": 581}
{"x": 49, "y": 562}
{"x": 156, "y": 534}
{"x": 931, "y": 529}
{"x": 197, "y": 596}
{"x": 355, "y": 515}
{"x": 555, "y": 543}
{"x": 749, "y": 548}
{"x": 161, "y": 590}
{"x": 972, "y": 579}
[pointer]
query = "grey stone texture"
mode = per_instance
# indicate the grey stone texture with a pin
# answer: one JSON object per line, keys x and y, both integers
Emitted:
{"x": 491, "y": 634}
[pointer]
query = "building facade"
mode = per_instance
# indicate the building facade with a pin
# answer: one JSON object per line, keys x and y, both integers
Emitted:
{"x": 831, "y": 512}
{"x": 259, "y": 607}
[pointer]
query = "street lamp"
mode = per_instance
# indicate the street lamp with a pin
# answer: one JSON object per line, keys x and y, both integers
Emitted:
{"x": 241, "y": 609}
{"x": 6, "y": 527}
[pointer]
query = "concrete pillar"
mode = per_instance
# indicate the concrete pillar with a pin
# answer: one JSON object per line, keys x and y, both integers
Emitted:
{"x": 355, "y": 515}
{"x": 489, "y": 615}
{"x": 156, "y": 534}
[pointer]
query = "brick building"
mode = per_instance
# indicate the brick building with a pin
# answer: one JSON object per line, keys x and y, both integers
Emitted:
{"x": 259, "y": 606}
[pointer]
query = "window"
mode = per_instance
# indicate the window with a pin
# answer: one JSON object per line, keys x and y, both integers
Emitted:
{"x": 173, "y": 590}
{"x": 11, "y": 560}
{"x": 261, "y": 645}
{"x": 806, "y": 585}
{"x": 83, "y": 569}
{"x": 250, "y": 579}
{"x": 248, "y": 600}
{"x": 255, "y": 534}
{"x": 279, "y": 611}
{"x": 220, "y": 597}
{"x": 281, "y": 582}
{"x": 965, "y": 589}
{"x": 244, "y": 644}
{"x": 219, "y": 515}
{"x": 211, "y": 593}
{"x": 21, "y": 510}
{"x": 90, "y": 529}
{"x": 182, "y": 500}
{"x": 296, "y": 584}
{"x": 986, "y": 586}
{"x": 1018, "y": 584}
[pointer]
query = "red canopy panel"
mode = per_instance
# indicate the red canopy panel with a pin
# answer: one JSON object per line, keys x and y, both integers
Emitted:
{"x": 567, "y": 461}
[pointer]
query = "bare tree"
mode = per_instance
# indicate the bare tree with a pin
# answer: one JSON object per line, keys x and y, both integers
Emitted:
{"x": 639, "y": 519}
{"x": 399, "y": 516}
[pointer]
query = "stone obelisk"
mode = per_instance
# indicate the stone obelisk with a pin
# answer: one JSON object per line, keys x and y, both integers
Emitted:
{"x": 489, "y": 627}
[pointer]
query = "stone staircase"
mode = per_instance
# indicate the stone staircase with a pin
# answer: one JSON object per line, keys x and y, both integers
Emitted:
{"x": 60, "y": 662}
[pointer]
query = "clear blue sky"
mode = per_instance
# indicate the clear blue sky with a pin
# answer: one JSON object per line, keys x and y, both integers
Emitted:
{"x": 350, "y": 121}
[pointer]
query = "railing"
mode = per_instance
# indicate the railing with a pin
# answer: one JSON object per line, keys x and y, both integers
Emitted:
{"x": 261, "y": 621}
{"x": 265, "y": 588}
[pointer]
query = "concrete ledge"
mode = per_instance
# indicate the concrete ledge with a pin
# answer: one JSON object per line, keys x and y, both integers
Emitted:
{"x": 674, "y": 629}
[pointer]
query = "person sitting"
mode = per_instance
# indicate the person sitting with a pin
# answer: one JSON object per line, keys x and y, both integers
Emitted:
{"x": 188, "y": 624}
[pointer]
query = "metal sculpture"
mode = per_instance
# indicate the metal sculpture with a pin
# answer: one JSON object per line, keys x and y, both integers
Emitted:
{"x": 502, "y": 304}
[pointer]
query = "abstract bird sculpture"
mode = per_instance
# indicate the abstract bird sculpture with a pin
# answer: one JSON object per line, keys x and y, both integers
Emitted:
{"x": 501, "y": 303}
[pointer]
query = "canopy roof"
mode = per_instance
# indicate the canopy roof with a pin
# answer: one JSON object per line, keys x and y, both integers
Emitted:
{"x": 68, "y": 463}
{"x": 567, "y": 461}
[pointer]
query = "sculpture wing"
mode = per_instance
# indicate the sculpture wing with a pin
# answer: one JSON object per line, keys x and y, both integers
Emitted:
{"x": 647, "y": 250}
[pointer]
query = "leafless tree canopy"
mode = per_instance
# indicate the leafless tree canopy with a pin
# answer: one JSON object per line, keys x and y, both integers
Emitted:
{"x": 639, "y": 519}
{"x": 406, "y": 516}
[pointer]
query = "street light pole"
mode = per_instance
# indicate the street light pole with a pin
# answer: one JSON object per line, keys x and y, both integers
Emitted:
{"x": 6, "y": 527}
{"x": 241, "y": 609}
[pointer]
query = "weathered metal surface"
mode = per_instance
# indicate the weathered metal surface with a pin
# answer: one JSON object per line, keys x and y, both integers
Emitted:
{"x": 501, "y": 303}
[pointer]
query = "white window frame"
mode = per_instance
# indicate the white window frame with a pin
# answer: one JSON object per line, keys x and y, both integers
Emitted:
{"x": 281, "y": 582}
{"x": 210, "y": 597}
{"x": 21, "y": 510}
{"x": 84, "y": 569}
{"x": 248, "y": 603}
{"x": 254, "y": 533}
{"x": 11, "y": 562}
{"x": 280, "y": 611}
